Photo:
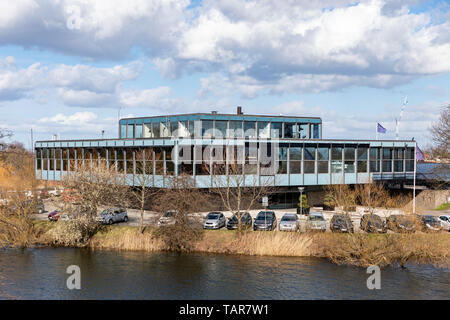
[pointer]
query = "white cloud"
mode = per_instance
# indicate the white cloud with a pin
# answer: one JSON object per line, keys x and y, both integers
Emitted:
{"x": 16, "y": 83}
{"x": 101, "y": 80}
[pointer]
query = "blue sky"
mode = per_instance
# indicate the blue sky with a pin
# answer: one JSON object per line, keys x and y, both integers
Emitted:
{"x": 67, "y": 66}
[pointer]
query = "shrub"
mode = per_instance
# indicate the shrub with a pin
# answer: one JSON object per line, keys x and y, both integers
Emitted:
{"x": 75, "y": 232}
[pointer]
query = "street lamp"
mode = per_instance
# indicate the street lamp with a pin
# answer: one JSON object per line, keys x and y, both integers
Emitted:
{"x": 301, "y": 198}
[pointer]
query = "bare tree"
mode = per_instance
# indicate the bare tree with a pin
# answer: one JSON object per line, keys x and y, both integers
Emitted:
{"x": 144, "y": 179}
{"x": 185, "y": 200}
{"x": 340, "y": 195}
{"x": 440, "y": 132}
{"x": 95, "y": 185}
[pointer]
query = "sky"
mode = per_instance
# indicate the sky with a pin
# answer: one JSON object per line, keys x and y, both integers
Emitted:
{"x": 72, "y": 67}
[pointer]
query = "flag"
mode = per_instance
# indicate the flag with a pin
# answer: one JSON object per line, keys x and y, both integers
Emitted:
{"x": 380, "y": 128}
{"x": 419, "y": 154}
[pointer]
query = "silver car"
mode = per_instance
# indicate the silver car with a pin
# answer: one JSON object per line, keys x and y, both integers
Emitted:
{"x": 289, "y": 222}
{"x": 214, "y": 220}
{"x": 112, "y": 215}
{"x": 316, "y": 222}
{"x": 168, "y": 218}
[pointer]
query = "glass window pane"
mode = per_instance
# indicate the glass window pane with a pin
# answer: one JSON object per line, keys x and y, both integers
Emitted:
{"x": 123, "y": 131}
{"x": 164, "y": 130}
{"x": 304, "y": 132}
{"x": 276, "y": 129}
{"x": 138, "y": 133}
{"x": 409, "y": 153}
{"x": 221, "y": 129}
{"x": 349, "y": 166}
{"x": 130, "y": 131}
{"x": 310, "y": 153}
{"x": 374, "y": 166}
{"x": 183, "y": 129}
{"x": 322, "y": 154}
{"x": 308, "y": 166}
{"x": 336, "y": 166}
{"x": 147, "y": 130}
{"x": 387, "y": 153}
{"x": 174, "y": 129}
{"x": 250, "y": 129}
{"x": 398, "y": 166}
{"x": 288, "y": 130}
{"x": 235, "y": 130}
{"x": 387, "y": 166}
{"x": 156, "y": 132}
{"x": 295, "y": 167}
{"x": 282, "y": 153}
{"x": 282, "y": 167}
{"x": 315, "y": 131}
{"x": 207, "y": 128}
{"x": 322, "y": 166}
{"x": 349, "y": 153}
{"x": 374, "y": 153}
{"x": 362, "y": 153}
{"x": 295, "y": 153}
{"x": 362, "y": 166}
{"x": 409, "y": 165}
{"x": 398, "y": 153}
{"x": 336, "y": 153}
{"x": 263, "y": 129}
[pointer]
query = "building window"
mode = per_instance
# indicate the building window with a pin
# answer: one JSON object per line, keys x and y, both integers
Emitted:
{"x": 147, "y": 130}
{"x": 183, "y": 129}
{"x": 130, "y": 131}
{"x": 220, "y": 129}
{"x": 138, "y": 133}
{"x": 309, "y": 163}
{"x": 250, "y": 129}
{"x": 207, "y": 128}
{"x": 295, "y": 157}
{"x": 276, "y": 130}
{"x": 362, "y": 159}
{"x": 264, "y": 130}
{"x": 123, "y": 131}
{"x": 164, "y": 129}
{"x": 387, "y": 160}
{"x": 315, "y": 131}
{"x": 304, "y": 131}
{"x": 336, "y": 159}
{"x": 323, "y": 158}
{"x": 374, "y": 157}
{"x": 349, "y": 156}
{"x": 289, "y": 130}
{"x": 174, "y": 129}
{"x": 235, "y": 129}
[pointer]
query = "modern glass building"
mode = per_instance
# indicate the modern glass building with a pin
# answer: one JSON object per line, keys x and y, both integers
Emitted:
{"x": 280, "y": 150}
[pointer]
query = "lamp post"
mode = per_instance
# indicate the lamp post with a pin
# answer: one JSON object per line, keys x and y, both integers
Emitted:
{"x": 301, "y": 198}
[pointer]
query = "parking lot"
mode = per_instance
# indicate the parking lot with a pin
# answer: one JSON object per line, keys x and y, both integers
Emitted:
{"x": 150, "y": 217}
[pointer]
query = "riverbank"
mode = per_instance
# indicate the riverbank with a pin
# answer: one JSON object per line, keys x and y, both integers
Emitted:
{"x": 359, "y": 249}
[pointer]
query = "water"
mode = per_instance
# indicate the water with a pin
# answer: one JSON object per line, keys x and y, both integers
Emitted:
{"x": 41, "y": 274}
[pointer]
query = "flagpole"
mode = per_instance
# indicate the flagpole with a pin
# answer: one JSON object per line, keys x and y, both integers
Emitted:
{"x": 414, "y": 183}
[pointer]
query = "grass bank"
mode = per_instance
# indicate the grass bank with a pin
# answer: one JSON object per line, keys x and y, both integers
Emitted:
{"x": 358, "y": 249}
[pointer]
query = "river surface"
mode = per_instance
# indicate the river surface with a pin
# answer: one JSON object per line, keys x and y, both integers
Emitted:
{"x": 41, "y": 274}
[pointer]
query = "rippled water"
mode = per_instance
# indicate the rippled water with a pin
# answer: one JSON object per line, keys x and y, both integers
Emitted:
{"x": 41, "y": 274}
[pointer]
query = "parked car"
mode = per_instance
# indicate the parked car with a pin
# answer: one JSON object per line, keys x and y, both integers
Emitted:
{"x": 445, "y": 222}
{"x": 246, "y": 221}
{"x": 214, "y": 220}
{"x": 341, "y": 223}
{"x": 372, "y": 223}
{"x": 54, "y": 215}
{"x": 265, "y": 220}
{"x": 54, "y": 192}
{"x": 430, "y": 223}
{"x": 316, "y": 222}
{"x": 112, "y": 215}
{"x": 401, "y": 223}
{"x": 168, "y": 218}
{"x": 289, "y": 222}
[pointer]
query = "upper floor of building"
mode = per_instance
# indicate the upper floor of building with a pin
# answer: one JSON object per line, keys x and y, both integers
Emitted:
{"x": 214, "y": 125}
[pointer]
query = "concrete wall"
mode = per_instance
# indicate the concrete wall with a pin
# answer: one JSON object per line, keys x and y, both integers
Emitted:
{"x": 430, "y": 199}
